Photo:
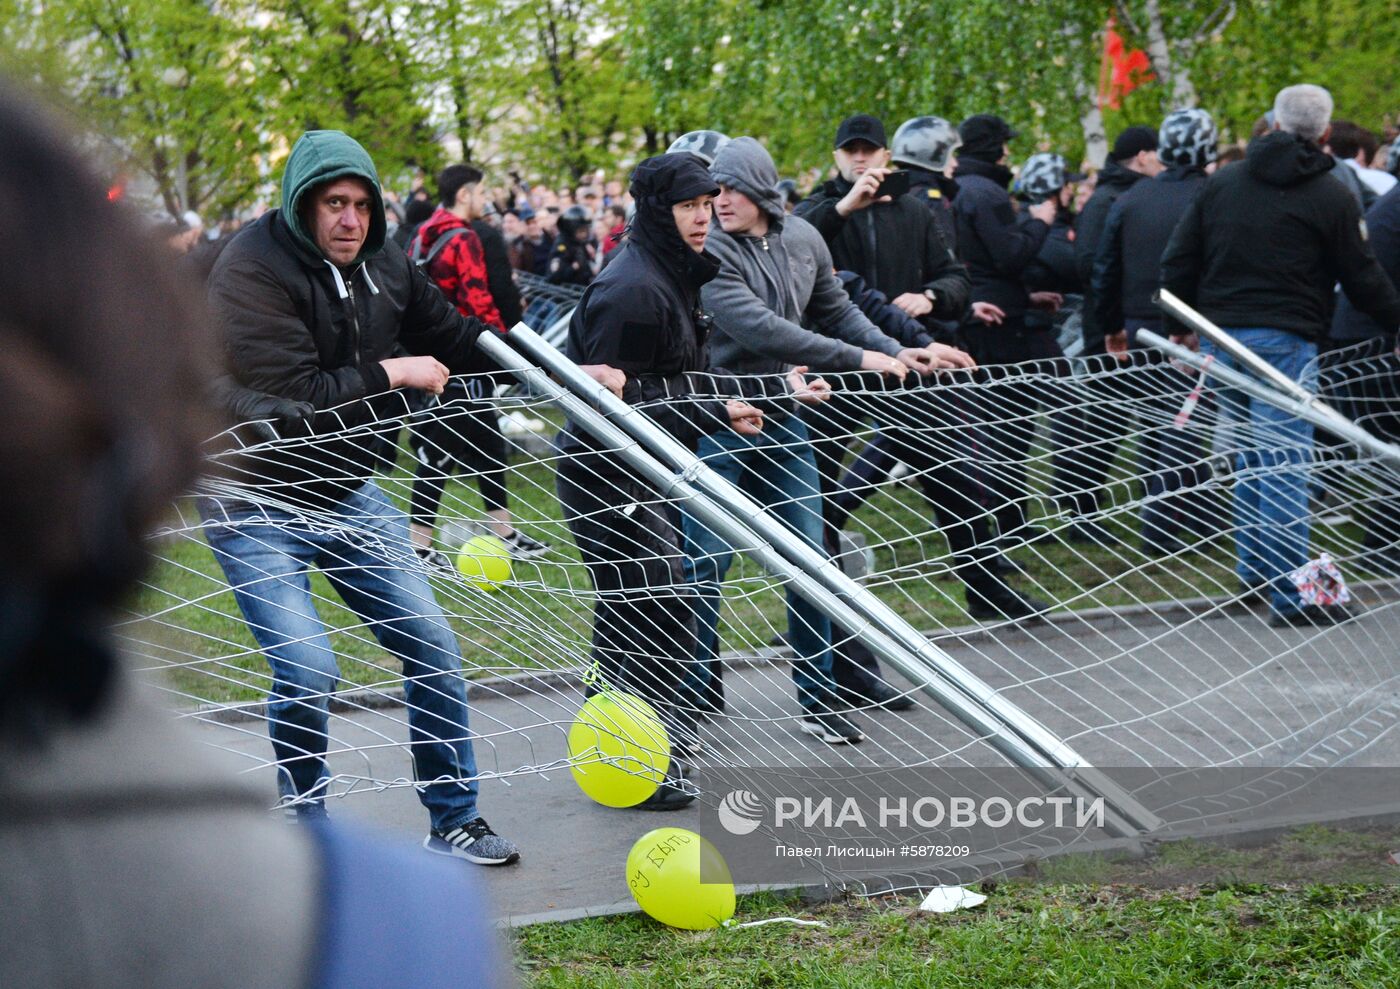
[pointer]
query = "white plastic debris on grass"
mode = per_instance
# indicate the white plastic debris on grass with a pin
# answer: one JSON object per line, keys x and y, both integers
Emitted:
{"x": 946, "y": 899}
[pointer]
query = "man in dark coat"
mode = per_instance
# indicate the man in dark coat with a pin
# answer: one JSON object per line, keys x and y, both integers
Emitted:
{"x": 1125, "y": 279}
{"x": 1365, "y": 374}
{"x": 1258, "y": 253}
{"x": 1134, "y": 157}
{"x": 998, "y": 247}
{"x": 642, "y": 314}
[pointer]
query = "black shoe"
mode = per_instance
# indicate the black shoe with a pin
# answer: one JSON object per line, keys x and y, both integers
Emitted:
{"x": 676, "y": 790}
{"x": 1310, "y": 615}
{"x": 875, "y": 694}
{"x": 1255, "y": 593}
{"x": 832, "y": 728}
{"x": 1002, "y": 601}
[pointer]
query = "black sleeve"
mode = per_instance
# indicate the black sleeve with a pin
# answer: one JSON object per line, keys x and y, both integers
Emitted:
{"x": 1010, "y": 245}
{"x": 1088, "y": 231}
{"x": 944, "y": 274}
{"x": 432, "y": 325}
{"x": 1183, "y": 259}
{"x": 268, "y": 346}
{"x": 1363, "y": 279}
{"x": 500, "y": 279}
{"x": 1105, "y": 312}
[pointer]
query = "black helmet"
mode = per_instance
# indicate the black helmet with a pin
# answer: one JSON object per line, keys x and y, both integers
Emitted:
{"x": 925, "y": 142}
{"x": 787, "y": 188}
{"x": 573, "y": 219}
{"x": 1187, "y": 137}
{"x": 705, "y": 143}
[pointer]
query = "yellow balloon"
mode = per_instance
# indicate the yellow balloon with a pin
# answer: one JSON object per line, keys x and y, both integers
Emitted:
{"x": 618, "y": 749}
{"x": 485, "y": 561}
{"x": 664, "y": 873}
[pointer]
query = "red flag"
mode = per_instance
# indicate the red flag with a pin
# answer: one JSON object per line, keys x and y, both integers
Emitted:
{"x": 1122, "y": 69}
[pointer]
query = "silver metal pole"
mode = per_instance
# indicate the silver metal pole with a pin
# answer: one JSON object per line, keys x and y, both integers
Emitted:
{"x": 747, "y": 526}
{"x": 1261, "y": 368}
{"x": 1316, "y": 412}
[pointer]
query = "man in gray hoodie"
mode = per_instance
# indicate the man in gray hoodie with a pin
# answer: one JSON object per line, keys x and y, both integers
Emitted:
{"x": 775, "y": 275}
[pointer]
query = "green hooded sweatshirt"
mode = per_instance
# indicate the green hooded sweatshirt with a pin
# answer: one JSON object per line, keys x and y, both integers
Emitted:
{"x": 321, "y": 156}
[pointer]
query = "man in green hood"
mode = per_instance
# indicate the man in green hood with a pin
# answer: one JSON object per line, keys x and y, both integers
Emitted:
{"x": 319, "y": 312}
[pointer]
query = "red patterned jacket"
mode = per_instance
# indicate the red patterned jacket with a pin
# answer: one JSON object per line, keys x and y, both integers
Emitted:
{"x": 459, "y": 268}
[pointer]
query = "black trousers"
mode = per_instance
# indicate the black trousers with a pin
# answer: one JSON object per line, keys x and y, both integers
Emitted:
{"x": 924, "y": 428}
{"x": 1363, "y": 381}
{"x": 1004, "y": 411}
{"x": 643, "y": 616}
{"x": 464, "y": 436}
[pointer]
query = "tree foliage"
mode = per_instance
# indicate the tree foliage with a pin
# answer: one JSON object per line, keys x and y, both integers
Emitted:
{"x": 204, "y": 97}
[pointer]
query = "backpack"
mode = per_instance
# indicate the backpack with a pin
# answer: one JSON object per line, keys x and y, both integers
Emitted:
{"x": 423, "y": 260}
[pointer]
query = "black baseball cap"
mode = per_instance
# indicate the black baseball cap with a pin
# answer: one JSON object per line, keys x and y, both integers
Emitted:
{"x": 861, "y": 127}
{"x": 1132, "y": 141}
{"x": 983, "y": 136}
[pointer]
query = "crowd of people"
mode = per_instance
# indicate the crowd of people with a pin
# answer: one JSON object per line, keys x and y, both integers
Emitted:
{"x": 717, "y": 297}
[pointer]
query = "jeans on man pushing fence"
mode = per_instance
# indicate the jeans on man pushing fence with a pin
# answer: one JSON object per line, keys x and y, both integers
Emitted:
{"x": 775, "y": 468}
{"x": 363, "y": 551}
{"x": 1272, "y": 463}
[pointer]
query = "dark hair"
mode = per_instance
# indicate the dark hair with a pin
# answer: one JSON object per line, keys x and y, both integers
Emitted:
{"x": 618, "y": 211}
{"x": 1347, "y": 139}
{"x": 452, "y": 178}
{"x": 416, "y": 212}
{"x": 102, "y": 409}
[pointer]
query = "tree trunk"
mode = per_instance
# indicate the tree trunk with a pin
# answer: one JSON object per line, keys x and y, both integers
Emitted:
{"x": 1159, "y": 51}
{"x": 1091, "y": 122}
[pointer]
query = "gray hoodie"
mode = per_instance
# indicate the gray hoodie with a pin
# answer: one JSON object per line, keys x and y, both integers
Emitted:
{"x": 770, "y": 287}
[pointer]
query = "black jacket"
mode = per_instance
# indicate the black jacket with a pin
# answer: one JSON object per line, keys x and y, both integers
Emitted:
{"x": 570, "y": 262}
{"x": 995, "y": 245}
{"x": 1054, "y": 268}
{"x": 1383, "y": 227}
{"x": 642, "y": 315}
{"x": 1128, "y": 268}
{"x": 1267, "y": 238}
{"x": 1114, "y": 180}
{"x": 876, "y": 307}
{"x": 936, "y": 191}
{"x": 500, "y": 277}
{"x": 896, "y": 247}
{"x": 288, "y": 331}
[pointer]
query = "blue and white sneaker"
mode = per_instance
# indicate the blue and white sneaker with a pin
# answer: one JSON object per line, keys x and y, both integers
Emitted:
{"x": 473, "y": 841}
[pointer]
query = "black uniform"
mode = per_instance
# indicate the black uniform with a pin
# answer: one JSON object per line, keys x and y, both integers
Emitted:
{"x": 570, "y": 262}
{"x": 1126, "y": 277}
{"x": 642, "y": 315}
{"x": 999, "y": 248}
{"x": 896, "y": 247}
{"x": 1114, "y": 181}
{"x": 1363, "y": 375}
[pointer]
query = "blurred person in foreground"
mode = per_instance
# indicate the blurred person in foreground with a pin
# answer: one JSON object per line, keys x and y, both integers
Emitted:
{"x": 132, "y": 855}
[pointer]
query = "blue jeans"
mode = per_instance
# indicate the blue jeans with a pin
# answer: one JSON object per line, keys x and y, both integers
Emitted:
{"x": 267, "y": 554}
{"x": 1271, "y": 481}
{"x": 777, "y": 469}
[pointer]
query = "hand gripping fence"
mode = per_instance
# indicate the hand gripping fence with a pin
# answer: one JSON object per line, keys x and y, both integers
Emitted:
{"x": 1272, "y": 386}
{"x": 730, "y": 513}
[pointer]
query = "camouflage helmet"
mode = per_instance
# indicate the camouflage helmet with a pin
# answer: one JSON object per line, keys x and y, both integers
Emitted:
{"x": 925, "y": 142}
{"x": 705, "y": 143}
{"x": 1189, "y": 138}
{"x": 1042, "y": 176}
{"x": 1392, "y": 158}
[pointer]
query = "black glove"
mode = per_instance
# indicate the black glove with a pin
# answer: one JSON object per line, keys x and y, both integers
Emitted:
{"x": 246, "y": 405}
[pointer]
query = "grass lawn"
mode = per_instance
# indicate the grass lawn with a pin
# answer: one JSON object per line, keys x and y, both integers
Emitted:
{"x": 186, "y": 626}
{"x": 1145, "y": 928}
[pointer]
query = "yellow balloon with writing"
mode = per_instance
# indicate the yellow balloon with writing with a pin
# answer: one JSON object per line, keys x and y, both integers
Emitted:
{"x": 485, "y": 561}
{"x": 680, "y": 879}
{"x": 618, "y": 749}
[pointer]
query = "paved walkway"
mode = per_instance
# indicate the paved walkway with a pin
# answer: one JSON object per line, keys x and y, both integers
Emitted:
{"x": 1123, "y": 691}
